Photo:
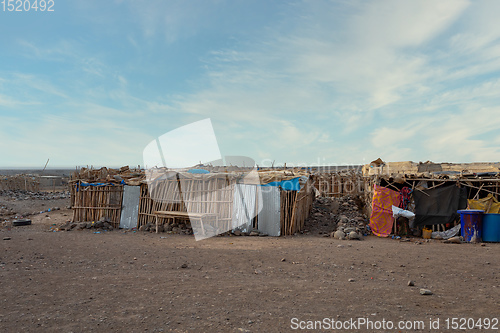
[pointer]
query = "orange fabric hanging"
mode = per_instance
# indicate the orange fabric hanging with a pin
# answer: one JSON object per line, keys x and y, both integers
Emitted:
{"x": 381, "y": 220}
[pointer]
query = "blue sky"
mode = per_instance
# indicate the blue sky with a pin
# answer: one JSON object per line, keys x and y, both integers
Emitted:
{"x": 302, "y": 82}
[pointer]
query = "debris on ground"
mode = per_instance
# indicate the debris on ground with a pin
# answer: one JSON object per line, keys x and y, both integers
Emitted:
{"x": 454, "y": 240}
{"x": 425, "y": 292}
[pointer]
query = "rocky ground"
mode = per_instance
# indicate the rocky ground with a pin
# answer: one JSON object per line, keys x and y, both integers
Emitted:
{"x": 24, "y": 204}
{"x": 126, "y": 281}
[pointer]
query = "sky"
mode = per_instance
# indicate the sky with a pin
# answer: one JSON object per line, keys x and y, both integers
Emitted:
{"x": 296, "y": 82}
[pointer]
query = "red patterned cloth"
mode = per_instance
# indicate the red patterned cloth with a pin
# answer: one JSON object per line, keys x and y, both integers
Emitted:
{"x": 405, "y": 197}
{"x": 381, "y": 220}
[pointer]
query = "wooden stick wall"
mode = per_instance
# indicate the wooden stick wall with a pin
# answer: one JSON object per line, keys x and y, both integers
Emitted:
{"x": 295, "y": 208}
{"x": 212, "y": 195}
{"x": 171, "y": 202}
{"x": 91, "y": 203}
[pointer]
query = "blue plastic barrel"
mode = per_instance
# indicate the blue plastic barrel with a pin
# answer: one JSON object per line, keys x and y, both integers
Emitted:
{"x": 491, "y": 228}
{"x": 471, "y": 221}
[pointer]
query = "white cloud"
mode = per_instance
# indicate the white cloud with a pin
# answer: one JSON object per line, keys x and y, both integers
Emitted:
{"x": 9, "y": 102}
{"x": 319, "y": 67}
{"x": 173, "y": 19}
{"x": 32, "y": 81}
{"x": 394, "y": 24}
{"x": 65, "y": 51}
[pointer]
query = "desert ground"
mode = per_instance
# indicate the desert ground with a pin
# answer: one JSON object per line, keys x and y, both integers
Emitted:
{"x": 125, "y": 281}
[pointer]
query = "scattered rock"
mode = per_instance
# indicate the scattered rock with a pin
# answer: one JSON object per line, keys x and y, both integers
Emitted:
{"x": 425, "y": 292}
{"x": 184, "y": 266}
{"x": 354, "y": 235}
{"x": 351, "y": 280}
{"x": 339, "y": 234}
{"x": 6, "y": 238}
{"x": 411, "y": 283}
{"x": 243, "y": 330}
{"x": 349, "y": 230}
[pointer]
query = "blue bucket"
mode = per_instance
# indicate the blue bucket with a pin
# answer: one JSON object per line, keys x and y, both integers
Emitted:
{"x": 471, "y": 221}
{"x": 491, "y": 228}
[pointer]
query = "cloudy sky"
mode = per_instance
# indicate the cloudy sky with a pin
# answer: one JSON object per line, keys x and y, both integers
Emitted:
{"x": 302, "y": 82}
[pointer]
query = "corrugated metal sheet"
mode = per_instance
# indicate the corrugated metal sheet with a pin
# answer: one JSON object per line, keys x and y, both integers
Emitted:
{"x": 269, "y": 216}
{"x": 244, "y": 206}
{"x": 130, "y": 207}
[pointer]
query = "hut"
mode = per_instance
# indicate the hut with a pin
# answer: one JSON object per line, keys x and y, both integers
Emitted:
{"x": 276, "y": 202}
{"x": 433, "y": 191}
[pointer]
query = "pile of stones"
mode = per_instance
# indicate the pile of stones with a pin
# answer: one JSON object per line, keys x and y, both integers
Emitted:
{"x": 102, "y": 224}
{"x": 171, "y": 228}
{"x": 341, "y": 218}
{"x": 351, "y": 223}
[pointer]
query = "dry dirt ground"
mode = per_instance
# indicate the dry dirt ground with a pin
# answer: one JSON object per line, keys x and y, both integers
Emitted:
{"x": 118, "y": 281}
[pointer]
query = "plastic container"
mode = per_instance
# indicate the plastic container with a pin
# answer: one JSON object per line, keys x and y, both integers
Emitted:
{"x": 491, "y": 228}
{"x": 426, "y": 233}
{"x": 471, "y": 221}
